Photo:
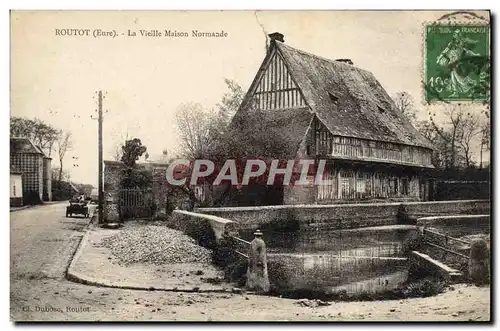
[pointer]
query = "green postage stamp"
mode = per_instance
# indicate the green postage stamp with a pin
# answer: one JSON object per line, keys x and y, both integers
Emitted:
{"x": 457, "y": 62}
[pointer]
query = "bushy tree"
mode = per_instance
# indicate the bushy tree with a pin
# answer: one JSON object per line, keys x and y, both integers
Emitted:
{"x": 39, "y": 132}
{"x": 64, "y": 144}
{"x": 202, "y": 132}
{"x": 132, "y": 151}
{"x": 454, "y": 137}
{"x": 405, "y": 104}
{"x": 132, "y": 176}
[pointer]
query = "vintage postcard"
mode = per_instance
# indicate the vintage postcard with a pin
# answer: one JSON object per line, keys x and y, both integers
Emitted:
{"x": 324, "y": 166}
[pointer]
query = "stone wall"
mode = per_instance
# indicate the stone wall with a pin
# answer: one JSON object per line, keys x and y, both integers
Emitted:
{"x": 113, "y": 176}
{"x": 47, "y": 179}
{"x": 160, "y": 190}
{"x": 299, "y": 194}
{"x": 112, "y": 179}
{"x": 344, "y": 215}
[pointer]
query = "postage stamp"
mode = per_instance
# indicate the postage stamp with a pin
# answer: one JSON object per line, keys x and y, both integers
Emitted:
{"x": 457, "y": 62}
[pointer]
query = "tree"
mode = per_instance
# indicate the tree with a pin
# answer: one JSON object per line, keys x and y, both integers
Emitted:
{"x": 64, "y": 144}
{"x": 56, "y": 172}
{"x": 118, "y": 151}
{"x": 453, "y": 138}
{"x": 133, "y": 177}
{"x": 40, "y": 133}
{"x": 485, "y": 144}
{"x": 405, "y": 104}
{"x": 202, "y": 133}
{"x": 194, "y": 127}
{"x": 231, "y": 100}
{"x": 469, "y": 129}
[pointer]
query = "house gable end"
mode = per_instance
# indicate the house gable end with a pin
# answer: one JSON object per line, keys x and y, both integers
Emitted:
{"x": 274, "y": 86}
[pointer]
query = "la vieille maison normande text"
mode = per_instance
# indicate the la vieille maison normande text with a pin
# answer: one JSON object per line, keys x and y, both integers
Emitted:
{"x": 144, "y": 33}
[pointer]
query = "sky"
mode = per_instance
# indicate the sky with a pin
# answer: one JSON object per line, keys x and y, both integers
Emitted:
{"x": 55, "y": 78}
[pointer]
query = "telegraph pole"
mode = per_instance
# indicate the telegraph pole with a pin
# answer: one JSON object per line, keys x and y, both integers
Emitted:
{"x": 99, "y": 184}
{"x": 99, "y": 138}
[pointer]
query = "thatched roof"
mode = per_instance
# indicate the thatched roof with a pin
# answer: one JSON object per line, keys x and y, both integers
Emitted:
{"x": 256, "y": 133}
{"x": 348, "y": 100}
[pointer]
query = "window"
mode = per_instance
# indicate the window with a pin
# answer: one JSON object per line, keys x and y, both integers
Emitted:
{"x": 380, "y": 109}
{"x": 404, "y": 186}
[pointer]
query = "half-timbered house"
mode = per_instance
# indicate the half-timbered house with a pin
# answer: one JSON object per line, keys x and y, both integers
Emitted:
{"x": 318, "y": 108}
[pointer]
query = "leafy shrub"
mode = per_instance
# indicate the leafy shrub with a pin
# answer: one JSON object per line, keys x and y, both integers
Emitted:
{"x": 136, "y": 178}
{"x": 413, "y": 243}
{"x": 479, "y": 264}
{"x": 479, "y": 250}
{"x": 283, "y": 273}
{"x": 288, "y": 221}
{"x": 202, "y": 232}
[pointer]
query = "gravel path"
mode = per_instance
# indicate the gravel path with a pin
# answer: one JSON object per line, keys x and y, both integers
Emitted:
{"x": 155, "y": 244}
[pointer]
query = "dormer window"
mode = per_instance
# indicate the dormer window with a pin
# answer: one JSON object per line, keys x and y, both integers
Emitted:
{"x": 381, "y": 109}
{"x": 333, "y": 97}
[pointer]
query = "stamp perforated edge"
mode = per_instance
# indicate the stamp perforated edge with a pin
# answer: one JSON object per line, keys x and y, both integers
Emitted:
{"x": 470, "y": 18}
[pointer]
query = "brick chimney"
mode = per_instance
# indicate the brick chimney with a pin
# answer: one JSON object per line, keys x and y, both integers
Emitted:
{"x": 277, "y": 36}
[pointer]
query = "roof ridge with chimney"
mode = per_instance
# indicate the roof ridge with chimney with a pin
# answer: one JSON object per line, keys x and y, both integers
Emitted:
{"x": 335, "y": 62}
{"x": 362, "y": 108}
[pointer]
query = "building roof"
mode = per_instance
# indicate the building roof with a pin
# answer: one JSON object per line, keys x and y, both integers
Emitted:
{"x": 269, "y": 133}
{"x": 348, "y": 100}
{"x": 20, "y": 145}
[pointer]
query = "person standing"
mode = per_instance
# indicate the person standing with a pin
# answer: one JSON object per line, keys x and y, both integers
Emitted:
{"x": 257, "y": 277}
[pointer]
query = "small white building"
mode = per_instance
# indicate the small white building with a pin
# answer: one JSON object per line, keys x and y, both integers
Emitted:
{"x": 16, "y": 189}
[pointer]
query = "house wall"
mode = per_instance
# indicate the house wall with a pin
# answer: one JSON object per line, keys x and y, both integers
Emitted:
{"x": 343, "y": 182}
{"x": 16, "y": 190}
{"x": 375, "y": 150}
{"x": 326, "y": 144}
{"x": 31, "y": 165}
{"x": 47, "y": 179}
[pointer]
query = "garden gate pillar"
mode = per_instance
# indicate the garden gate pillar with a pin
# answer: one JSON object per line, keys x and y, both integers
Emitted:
{"x": 111, "y": 210}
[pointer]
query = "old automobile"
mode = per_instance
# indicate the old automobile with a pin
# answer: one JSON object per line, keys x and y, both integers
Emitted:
{"x": 77, "y": 207}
